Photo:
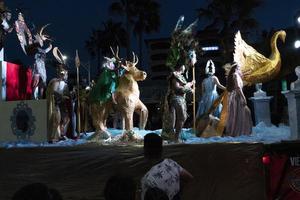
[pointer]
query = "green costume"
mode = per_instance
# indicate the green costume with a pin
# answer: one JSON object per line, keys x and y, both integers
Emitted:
{"x": 175, "y": 109}
{"x": 105, "y": 86}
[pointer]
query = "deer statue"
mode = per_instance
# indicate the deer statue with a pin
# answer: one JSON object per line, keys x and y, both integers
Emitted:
{"x": 126, "y": 97}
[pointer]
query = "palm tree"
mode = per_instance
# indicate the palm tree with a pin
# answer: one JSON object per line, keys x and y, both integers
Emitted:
{"x": 93, "y": 45}
{"x": 147, "y": 21}
{"x": 228, "y": 16}
{"x": 127, "y": 9}
{"x": 112, "y": 34}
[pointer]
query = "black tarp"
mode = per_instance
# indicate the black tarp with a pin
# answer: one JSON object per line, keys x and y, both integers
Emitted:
{"x": 221, "y": 171}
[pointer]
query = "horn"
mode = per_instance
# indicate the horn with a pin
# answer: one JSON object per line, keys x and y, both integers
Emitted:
{"x": 115, "y": 54}
{"x": 44, "y": 37}
{"x": 137, "y": 59}
{"x": 58, "y": 55}
{"x": 133, "y": 61}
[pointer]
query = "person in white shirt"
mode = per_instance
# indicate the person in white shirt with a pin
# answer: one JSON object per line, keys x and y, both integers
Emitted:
{"x": 166, "y": 175}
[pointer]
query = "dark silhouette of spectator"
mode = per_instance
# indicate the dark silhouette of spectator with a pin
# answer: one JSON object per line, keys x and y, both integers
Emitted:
{"x": 153, "y": 147}
{"x": 120, "y": 187}
{"x": 37, "y": 191}
{"x": 155, "y": 194}
{"x": 166, "y": 175}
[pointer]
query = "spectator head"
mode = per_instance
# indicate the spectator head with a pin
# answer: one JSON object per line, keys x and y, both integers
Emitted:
{"x": 152, "y": 146}
{"x": 155, "y": 194}
{"x": 120, "y": 187}
{"x": 37, "y": 191}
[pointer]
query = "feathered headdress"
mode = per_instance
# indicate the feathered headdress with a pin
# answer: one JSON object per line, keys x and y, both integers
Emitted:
{"x": 181, "y": 43}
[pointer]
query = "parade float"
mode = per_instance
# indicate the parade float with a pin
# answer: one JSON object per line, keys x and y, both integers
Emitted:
{"x": 35, "y": 145}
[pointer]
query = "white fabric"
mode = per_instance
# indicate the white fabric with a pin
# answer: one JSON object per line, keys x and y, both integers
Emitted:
{"x": 3, "y": 80}
{"x": 61, "y": 87}
{"x": 165, "y": 176}
{"x": 39, "y": 65}
{"x": 5, "y": 25}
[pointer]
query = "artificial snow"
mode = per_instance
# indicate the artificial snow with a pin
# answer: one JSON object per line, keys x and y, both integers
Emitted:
{"x": 260, "y": 133}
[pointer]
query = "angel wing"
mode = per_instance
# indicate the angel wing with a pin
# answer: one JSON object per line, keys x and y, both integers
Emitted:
{"x": 255, "y": 67}
{"x": 247, "y": 57}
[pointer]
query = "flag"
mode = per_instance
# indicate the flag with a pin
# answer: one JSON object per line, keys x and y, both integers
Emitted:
{"x": 16, "y": 82}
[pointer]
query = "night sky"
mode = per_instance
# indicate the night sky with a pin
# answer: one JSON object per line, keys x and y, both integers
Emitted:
{"x": 72, "y": 21}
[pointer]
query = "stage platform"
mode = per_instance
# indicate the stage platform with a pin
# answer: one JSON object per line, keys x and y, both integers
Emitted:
{"x": 221, "y": 170}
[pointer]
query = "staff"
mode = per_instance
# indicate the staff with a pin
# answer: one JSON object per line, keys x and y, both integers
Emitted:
{"x": 77, "y": 64}
{"x": 193, "y": 59}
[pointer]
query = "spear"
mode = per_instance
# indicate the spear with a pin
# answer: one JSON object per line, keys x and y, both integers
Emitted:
{"x": 77, "y": 64}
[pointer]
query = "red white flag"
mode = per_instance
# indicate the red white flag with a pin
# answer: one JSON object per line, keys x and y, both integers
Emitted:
{"x": 16, "y": 82}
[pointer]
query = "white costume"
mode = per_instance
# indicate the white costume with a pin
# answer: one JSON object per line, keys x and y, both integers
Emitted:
{"x": 22, "y": 30}
{"x": 39, "y": 65}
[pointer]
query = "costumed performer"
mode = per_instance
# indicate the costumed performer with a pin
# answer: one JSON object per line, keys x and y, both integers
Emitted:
{"x": 22, "y": 30}
{"x": 209, "y": 91}
{"x": 239, "y": 120}
{"x": 107, "y": 82}
{"x": 175, "y": 109}
{"x": 5, "y": 26}
{"x": 181, "y": 55}
{"x": 58, "y": 96}
{"x": 39, "y": 69}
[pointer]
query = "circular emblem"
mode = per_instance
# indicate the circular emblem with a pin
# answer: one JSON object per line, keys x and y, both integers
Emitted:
{"x": 294, "y": 179}
{"x": 22, "y": 121}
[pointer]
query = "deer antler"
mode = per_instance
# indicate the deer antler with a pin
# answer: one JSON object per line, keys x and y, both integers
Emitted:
{"x": 135, "y": 59}
{"x": 133, "y": 55}
{"x": 115, "y": 54}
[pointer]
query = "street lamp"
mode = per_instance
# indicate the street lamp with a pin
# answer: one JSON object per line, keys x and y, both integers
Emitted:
{"x": 297, "y": 44}
{"x": 65, "y": 57}
{"x": 297, "y": 21}
{"x": 297, "y": 17}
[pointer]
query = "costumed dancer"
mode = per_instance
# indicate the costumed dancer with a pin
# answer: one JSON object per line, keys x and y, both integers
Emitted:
{"x": 239, "y": 120}
{"x": 176, "y": 106}
{"x": 5, "y": 26}
{"x": 39, "y": 70}
{"x": 105, "y": 88}
{"x": 22, "y": 30}
{"x": 57, "y": 97}
{"x": 107, "y": 82}
{"x": 84, "y": 109}
{"x": 252, "y": 67}
{"x": 209, "y": 91}
{"x": 181, "y": 55}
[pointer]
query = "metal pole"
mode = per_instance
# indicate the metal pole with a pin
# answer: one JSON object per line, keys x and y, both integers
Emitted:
{"x": 89, "y": 72}
{"x": 77, "y": 64}
{"x": 194, "y": 99}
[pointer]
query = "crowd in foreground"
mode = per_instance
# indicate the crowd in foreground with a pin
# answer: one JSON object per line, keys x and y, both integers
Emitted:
{"x": 164, "y": 181}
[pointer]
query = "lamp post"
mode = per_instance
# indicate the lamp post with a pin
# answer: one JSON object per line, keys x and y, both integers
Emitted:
{"x": 297, "y": 21}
